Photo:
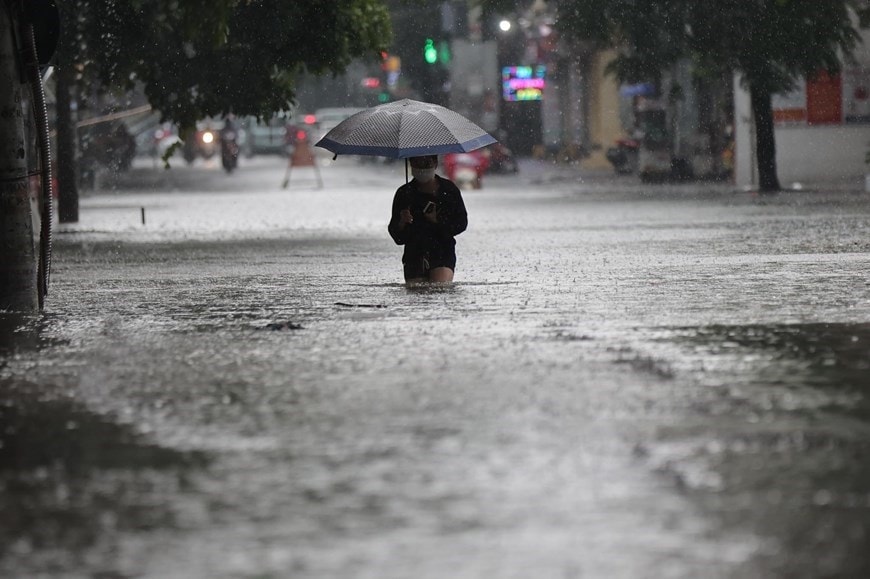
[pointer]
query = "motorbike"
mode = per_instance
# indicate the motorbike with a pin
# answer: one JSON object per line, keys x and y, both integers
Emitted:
{"x": 624, "y": 156}
{"x": 203, "y": 143}
{"x": 466, "y": 169}
{"x": 108, "y": 145}
{"x": 104, "y": 146}
{"x": 229, "y": 149}
{"x": 501, "y": 160}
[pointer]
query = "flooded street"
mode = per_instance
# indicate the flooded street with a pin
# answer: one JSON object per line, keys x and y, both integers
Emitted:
{"x": 624, "y": 381}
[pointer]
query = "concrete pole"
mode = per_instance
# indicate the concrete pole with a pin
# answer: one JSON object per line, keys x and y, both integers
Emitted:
{"x": 18, "y": 244}
{"x": 745, "y": 169}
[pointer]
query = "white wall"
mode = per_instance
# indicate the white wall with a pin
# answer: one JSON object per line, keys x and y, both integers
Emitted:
{"x": 824, "y": 153}
{"x": 806, "y": 154}
{"x": 803, "y": 153}
{"x": 745, "y": 173}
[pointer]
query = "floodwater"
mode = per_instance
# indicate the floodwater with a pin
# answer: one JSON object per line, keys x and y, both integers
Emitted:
{"x": 624, "y": 381}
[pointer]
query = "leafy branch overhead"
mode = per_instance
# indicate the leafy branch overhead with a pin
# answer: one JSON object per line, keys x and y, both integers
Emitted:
{"x": 771, "y": 42}
{"x": 200, "y": 58}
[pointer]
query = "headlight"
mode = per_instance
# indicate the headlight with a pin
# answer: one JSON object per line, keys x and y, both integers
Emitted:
{"x": 207, "y": 137}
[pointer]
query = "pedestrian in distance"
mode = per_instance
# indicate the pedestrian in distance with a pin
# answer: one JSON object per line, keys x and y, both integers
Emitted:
{"x": 428, "y": 213}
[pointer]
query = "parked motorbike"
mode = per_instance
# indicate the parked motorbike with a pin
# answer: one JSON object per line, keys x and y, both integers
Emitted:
{"x": 229, "y": 149}
{"x": 108, "y": 145}
{"x": 624, "y": 156}
{"x": 466, "y": 169}
{"x": 104, "y": 146}
{"x": 501, "y": 159}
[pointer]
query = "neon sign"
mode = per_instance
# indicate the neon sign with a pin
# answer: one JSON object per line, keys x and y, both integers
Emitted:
{"x": 523, "y": 83}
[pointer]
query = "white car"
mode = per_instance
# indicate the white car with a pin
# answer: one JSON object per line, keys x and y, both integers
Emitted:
{"x": 328, "y": 118}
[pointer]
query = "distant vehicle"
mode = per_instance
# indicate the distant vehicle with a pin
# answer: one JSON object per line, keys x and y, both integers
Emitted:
{"x": 163, "y": 137}
{"x": 108, "y": 145}
{"x": 624, "y": 155}
{"x": 265, "y": 137}
{"x": 229, "y": 139}
{"x": 203, "y": 143}
{"x": 466, "y": 169}
{"x": 327, "y": 118}
{"x": 501, "y": 159}
{"x": 654, "y": 160}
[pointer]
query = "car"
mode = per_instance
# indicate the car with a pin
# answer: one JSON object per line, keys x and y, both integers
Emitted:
{"x": 327, "y": 118}
{"x": 266, "y": 137}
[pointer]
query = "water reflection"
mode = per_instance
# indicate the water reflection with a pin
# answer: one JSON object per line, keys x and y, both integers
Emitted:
{"x": 71, "y": 479}
{"x": 17, "y": 331}
{"x": 779, "y": 444}
{"x": 834, "y": 356}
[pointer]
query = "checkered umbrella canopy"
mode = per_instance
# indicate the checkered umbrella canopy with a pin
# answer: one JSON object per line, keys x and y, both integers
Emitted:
{"x": 403, "y": 129}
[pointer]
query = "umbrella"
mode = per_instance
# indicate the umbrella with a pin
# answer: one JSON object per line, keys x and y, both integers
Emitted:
{"x": 403, "y": 129}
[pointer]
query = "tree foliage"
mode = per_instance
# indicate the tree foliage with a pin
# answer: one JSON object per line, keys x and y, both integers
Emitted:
{"x": 771, "y": 43}
{"x": 198, "y": 58}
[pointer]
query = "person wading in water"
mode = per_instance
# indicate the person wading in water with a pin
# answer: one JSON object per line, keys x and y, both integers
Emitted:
{"x": 428, "y": 213}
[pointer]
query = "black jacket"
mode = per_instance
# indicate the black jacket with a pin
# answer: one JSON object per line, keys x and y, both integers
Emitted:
{"x": 422, "y": 236}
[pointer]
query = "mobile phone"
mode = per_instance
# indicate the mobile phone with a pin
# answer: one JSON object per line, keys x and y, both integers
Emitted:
{"x": 430, "y": 207}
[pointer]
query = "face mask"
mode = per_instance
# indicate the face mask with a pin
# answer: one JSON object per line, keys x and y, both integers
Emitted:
{"x": 423, "y": 175}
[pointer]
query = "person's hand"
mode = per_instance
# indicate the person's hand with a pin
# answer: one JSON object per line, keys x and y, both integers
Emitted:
{"x": 405, "y": 217}
{"x": 432, "y": 215}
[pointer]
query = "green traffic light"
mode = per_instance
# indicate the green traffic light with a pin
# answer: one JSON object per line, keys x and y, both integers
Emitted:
{"x": 444, "y": 52}
{"x": 430, "y": 53}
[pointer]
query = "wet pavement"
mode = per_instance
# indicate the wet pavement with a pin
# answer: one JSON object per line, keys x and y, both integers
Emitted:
{"x": 624, "y": 381}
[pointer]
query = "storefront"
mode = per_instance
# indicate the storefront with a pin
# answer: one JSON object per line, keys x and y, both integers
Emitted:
{"x": 822, "y": 127}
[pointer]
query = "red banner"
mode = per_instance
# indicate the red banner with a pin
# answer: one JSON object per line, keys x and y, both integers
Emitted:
{"x": 824, "y": 99}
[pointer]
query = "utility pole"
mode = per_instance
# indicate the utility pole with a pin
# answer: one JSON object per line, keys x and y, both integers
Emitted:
{"x": 68, "y": 193}
{"x": 18, "y": 245}
{"x": 27, "y": 31}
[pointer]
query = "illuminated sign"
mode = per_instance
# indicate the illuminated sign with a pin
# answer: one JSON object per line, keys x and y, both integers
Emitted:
{"x": 523, "y": 83}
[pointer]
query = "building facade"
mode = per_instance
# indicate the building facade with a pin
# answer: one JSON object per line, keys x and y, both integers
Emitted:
{"x": 822, "y": 127}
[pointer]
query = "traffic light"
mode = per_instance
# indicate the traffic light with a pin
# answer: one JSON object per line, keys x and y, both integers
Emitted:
{"x": 444, "y": 52}
{"x": 430, "y": 53}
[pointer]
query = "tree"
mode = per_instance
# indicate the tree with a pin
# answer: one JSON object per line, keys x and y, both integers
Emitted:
{"x": 243, "y": 59}
{"x": 771, "y": 43}
{"x": 203, "y": 58}
{"x": 194, "y": 59}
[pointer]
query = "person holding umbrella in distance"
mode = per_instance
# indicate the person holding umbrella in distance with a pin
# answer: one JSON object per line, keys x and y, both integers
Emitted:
{"x": 428, "y": 213}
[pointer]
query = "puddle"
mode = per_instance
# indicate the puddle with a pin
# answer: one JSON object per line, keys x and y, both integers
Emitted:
{"x": 832, "y": 357}
{"x": 776, "y": 439}
{"x": 71, "y": 479}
